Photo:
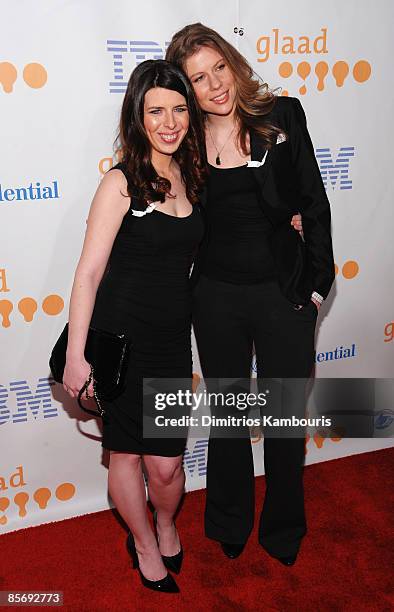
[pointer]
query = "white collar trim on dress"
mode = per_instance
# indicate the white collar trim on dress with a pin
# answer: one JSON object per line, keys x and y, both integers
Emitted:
{"x": 149, "y": 209}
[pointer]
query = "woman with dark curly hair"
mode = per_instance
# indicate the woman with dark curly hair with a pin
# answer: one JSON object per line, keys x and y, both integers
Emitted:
{"x": 143, "y": 228}
{"x": 257, "y": 282}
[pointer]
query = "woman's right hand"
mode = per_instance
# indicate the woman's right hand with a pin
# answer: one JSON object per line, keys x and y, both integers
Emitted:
{"x": 296, "y": 222}
{"x": 76, "y": 373}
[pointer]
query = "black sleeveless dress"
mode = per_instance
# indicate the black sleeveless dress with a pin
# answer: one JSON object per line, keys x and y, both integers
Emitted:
{"x": 145, "y": 293}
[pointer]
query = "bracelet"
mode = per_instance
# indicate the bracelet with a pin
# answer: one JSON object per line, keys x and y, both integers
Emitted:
{"x": 316, "y": 296}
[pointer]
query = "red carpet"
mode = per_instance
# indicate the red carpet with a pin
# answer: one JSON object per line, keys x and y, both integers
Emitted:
{"x": 346, "y": 561}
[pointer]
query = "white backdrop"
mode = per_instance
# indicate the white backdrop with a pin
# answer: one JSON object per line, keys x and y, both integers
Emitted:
{"x": 62, "y": 69}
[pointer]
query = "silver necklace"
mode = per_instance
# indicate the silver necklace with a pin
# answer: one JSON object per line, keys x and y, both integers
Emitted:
{"x": 218, "y": 161}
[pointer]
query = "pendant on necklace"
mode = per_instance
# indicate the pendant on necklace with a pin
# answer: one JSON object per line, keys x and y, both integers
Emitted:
{"x": 218, "y": 162}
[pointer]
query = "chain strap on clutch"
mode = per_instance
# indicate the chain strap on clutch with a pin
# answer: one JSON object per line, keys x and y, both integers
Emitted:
{"x": 100, "y": 409}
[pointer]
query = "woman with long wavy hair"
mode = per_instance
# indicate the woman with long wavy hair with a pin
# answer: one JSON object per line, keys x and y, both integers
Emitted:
{"x": 143, "y": 228}
{"x": 257, "y": 282}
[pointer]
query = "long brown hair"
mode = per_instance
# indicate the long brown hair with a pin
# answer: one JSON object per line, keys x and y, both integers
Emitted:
{"x": 135, "y": 146}
{"x": 254, "y": 100}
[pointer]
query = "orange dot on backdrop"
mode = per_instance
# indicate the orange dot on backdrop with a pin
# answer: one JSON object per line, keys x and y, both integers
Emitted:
{"x": 362, "y": 71}
{"x": 35, "y": 75}
{"x": 42, "y": 497}
{"x": 285, "y": 69}
{"x": 6, "y": 308}
{"x": 340, "y": 70}
{"x": 303, "y": 70}
{"x": 4, "y": 503}
{"x": 350, "y": 269}
{"x": 21, "y": 500}
{"x": 321, "y": 71}
{"x": 8, "y": 76}
{"x": 53, "y": 304}
{"x": 65, "y": 491}
{"x": 27, "y": 306}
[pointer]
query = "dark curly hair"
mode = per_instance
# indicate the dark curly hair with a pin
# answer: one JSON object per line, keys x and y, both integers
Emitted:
{"x": 135, "y": 146}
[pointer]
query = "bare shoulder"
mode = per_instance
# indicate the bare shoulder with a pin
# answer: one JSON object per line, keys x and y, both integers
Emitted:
{"x": 112, "y": 192}
{"x": 114, "y": 183}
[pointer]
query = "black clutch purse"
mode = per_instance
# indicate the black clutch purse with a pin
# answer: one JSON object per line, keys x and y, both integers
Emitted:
{"x": 108, "y": 356}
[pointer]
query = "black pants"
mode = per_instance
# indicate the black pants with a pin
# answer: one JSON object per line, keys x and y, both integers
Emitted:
{"x": 228, "y": 319}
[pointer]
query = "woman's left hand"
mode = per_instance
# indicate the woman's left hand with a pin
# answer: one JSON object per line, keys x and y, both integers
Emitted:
{"x": 316, "y": 303}
{"x": 296, "y": 222}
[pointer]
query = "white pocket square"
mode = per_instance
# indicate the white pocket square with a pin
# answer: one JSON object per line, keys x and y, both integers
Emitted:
{"x": 281, "y": 138}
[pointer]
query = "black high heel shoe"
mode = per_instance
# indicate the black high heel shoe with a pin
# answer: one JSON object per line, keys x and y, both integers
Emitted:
{"x": 165, "y": 585}
{"x": 173, "y": 563}
{"x": 232, "y": 551}
{"x": 287, "y": 560}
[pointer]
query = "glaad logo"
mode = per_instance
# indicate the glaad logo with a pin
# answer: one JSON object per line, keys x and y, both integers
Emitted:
{"x": 320, "y": 439}
{"x": 29, "y": 404}
{"x": 389, "y": 332}
{"x": 10, "y": 487}
{"x": 106, "y": 163}
{"x": 335, "y": 173}
{"x": 34, "y": 75}
{"x": 35, "y": 191}
{"x": 135, "y": 51}
{"x": 281, "y": 45}
{"x": 51, "y": 305}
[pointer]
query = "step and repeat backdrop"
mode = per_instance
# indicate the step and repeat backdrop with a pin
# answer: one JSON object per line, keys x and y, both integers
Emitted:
{"x": 64, "y": 68}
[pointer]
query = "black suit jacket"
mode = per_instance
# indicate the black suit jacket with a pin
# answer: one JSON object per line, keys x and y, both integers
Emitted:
{"x": 289, "y": 182}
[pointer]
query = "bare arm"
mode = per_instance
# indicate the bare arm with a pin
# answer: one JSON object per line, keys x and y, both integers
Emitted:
{"x": 105, "y": 217}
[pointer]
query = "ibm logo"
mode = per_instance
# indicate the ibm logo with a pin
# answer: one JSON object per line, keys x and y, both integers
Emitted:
{"x": 36, "y": 403}
{"x": 140, "y": 50}
{"x": 197, "y": 459}
{"x": 336, "y": 172}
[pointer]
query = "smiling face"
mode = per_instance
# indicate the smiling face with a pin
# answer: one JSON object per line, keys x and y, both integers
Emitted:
{"x": 166, "y": 120}
{"x": 212, "y": 80}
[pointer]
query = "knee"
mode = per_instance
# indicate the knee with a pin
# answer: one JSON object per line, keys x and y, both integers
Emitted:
{"x": 165, "y": 475}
